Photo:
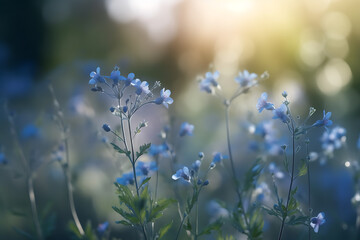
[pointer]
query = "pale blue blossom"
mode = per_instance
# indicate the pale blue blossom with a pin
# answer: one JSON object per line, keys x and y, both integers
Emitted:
{"x": 186, "y": 129}
{"x": 96, "y": 77}
{"x": 126, "y": 179}
{"x": 281, "y": 113}
{"x": 182, "y": 173}
{"x": 164, "y": 98}
{"x": 326, "y": 122}
{"x": 141, "y": 86}
{"x": 315, "y": 222}
{"x": 263, "y": 104}
{"x": 246, "y": 79}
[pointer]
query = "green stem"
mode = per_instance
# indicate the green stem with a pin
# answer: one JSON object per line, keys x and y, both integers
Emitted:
{"x": 134, "y": 171}
{"x": 30, "y": 182}
{"x": 309, "y": 186}
{"x": 291, "y": 182}
{"x": 69, "y": 186}
{"x": 197, "y": 220}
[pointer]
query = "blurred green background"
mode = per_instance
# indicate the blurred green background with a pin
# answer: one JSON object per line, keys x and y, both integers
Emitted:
{"x": 311, "y": 49}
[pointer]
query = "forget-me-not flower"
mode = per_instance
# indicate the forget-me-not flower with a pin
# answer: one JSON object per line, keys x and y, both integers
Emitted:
{"x": 30, "y": 131}
{"x": 164, "y": 98}
{"x": 145, "y": 168}
{"x": 183, "y": 173}
{"x": 186, "y": 129}
{"x": 96, "y": 77}
{"x": 209, "y": 82}
{"x": 315, "y": 222}
{"x": 159, "y": 150}
{"x": 326, "y": 122}
{"x": 106, "y": 128}
{"x": 115, "y": 76}
{"x": 196, "y": 165}
{"x": 263, "y": 104}
{"x": 281, "y": 113}
{"x": 141, "y": 86}
{"x": 217, "y": 158}
{"x": 334, "y": 139}
{"x": 273, "y": 169}
{"x": 102, "y": 227}
{"x": 2, "y": 158}
{"x": 126, "y": 179}
{"x": 246, "y": 79}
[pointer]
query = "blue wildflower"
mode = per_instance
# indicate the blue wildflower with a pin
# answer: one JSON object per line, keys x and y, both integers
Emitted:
{"x": 126, "y": 179}
{"x": 129, "y": 79}
{"x": 196, "y": 165}
{"x": 216, "y": 210}
{"x": 209, "y": 82}
{"x": 315, "y": 222}
{"x": 115, "y": 76}
{"x": 144, "y": 169}
{"x": 186, "y": 129}
{"x": 106, "y": 128}
{"x": 30, "y": 131}
{"x": 3, "y": 159}
{"x": 156, "y": 150}
{"x": 183, "y": 173}
{"x": 273, "y": 169}
{"x": 263, "y": 104}
{"x": 96, "y": 77}
{"x": 102, "y": 227}
{"x": 246, "y": 79}
{"x": 261, "y": 192}
{"x": 141, "y": 86}
{"x": 281, "y": 113}
{"x": 334, "y": 139}
{"x": 164, "y": 98}
{"x": 218, "y": 157}
{"x": 326, "y": 122}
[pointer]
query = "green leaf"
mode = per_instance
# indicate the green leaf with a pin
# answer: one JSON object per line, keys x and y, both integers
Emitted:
{"x": 143, "y": 150}
{"x": 159, "y": 207}
{"x": 215, "y": 226}
{"x": 163, "y": 230}
{"x": 119, "y": 150}
{"x": 123, "y": 222}
{"x": 144, "y": 182}
{"x": 303, "y": 169}
{"x": 298, "y": 220}
{"x": 252, "y": 175}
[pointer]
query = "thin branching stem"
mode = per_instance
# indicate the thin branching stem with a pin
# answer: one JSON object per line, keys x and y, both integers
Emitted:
{"x": 291, "y": 179}
{"x": 29, "y": 178}
{"x": 309, "y": 186}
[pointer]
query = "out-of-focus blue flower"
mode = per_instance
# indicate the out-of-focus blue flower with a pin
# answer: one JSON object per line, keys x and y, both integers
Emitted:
{"x": 209, "y": 82}
{"x": 263, "y": 104}
{"x": 3, "y": 159}
{"x": 261, "y": 192}
{"x": 246, "y": 79}
{"x": 30, "y": 131}
{"x": 96, "y": 77}
{"x": 186, "y": 129}
{"x": 334, "y": 139}
{"x": 217, "y": 158}
{"x": 315, "y": 222}
{"x": 102, "y": 227}
{"x": 196, "y": 165}
{"x": 273, "y": 169}
{"x": 216, "y": 211}
{"x": 326, "y": 122}
{"x": 164, "y": 98}
{"x": 183, "y": 173}
{"x": 162, "y": 150}
{"x": 106, "y": 128}
{"x": 126, "y": 179}
{"x": 144, "y": 169}
{"x": 141, "y": 86}
{"x": 358, "y": 143}
{"x": 281, "y": 113}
